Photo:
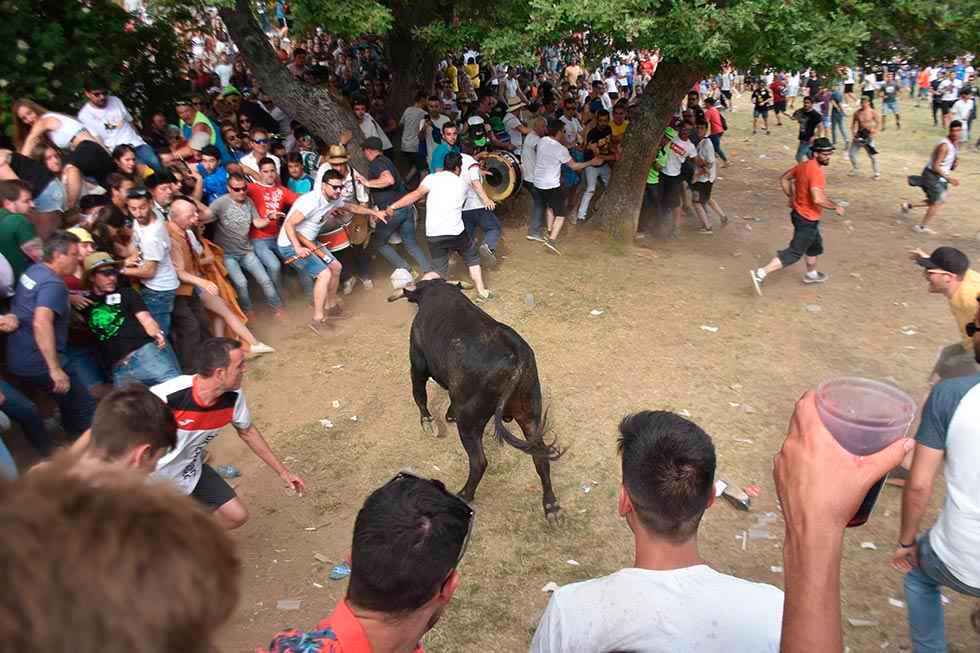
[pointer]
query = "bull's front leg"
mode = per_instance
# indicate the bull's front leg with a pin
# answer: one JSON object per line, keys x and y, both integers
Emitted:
{"x": 420, "y": 377}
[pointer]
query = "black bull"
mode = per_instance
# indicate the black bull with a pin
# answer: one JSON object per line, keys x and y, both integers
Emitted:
{"x": 489, "y": 372}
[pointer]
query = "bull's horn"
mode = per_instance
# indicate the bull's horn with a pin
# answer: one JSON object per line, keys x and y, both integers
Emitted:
{"x": 398, "y": 294}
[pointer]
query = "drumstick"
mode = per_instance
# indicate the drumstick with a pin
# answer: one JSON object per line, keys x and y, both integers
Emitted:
{"x": 293, "y": 259}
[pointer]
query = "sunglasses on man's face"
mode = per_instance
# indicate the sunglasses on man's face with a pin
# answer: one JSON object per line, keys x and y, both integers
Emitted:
{"x": 471, "y": 513}
{"x": 260, "y": 141}
{"x": 336, "y": 186}
{"x": 236, "y": 189}
{"x": 98, "y": 93}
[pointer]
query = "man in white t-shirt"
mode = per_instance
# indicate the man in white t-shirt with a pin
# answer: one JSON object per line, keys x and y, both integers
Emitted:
{"x": 572, "y": 125}
{"x": 224, "y": 70}
{"x": 108, "y": 119}
{"x": 297, "y": 245}
{"x": 477, "y": 207}
{"x": 411, "y": 124}
{"x": 961, "y": 110}
{"x": 445, "y": 230}
{"x": 529, "y": 158}
{"x": 369, "y": 126}
{"x": 679, "y": 149}
{"x": 260, "y": 150}
{"x": 550, "y": 155}
{"x": 670, "y": 599}
{"x": 704, "y": 179}
{"x": 202, "y": 405}
{"x": 948, "y": 440}
{"x": 949, "y": 90}
{"x": 152, "y": 265}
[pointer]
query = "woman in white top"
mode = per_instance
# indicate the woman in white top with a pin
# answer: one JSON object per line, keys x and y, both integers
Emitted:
{"x": 32, "y": 123}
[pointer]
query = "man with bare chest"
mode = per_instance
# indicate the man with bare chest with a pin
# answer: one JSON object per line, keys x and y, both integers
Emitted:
{"x": 864, "y": 128}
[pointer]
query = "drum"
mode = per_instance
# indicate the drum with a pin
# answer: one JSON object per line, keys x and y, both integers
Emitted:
{"x": 335, "y": 240}
{"x": 503, "y": 177}
{"x": 359, "y": 229}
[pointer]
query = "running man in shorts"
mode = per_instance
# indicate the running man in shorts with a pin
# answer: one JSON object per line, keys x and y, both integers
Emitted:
{"x": 936, "y": 179}
{"x": 804, "y": 185}
{"x": 889, "y": 101}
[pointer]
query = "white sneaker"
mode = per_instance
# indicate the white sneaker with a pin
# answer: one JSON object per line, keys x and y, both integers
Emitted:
{"x": 349, "y": 285}
{"x": 922, "y": 229}
{"x": 757, "y": 281}
{"x": 906, "y": 207}
{"x": 395, "y": 238}
{"x": 260, "y": 348}
{"x": 368, "y": 284}
{"x": 820, "y": 277}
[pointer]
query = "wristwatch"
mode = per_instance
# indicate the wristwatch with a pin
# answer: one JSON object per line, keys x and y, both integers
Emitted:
{"x": 902, "y": 545}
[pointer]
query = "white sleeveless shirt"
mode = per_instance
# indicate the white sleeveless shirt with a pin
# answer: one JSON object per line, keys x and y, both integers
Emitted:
{"x": 950, "y": 158}
{"x": 66, "y": 131}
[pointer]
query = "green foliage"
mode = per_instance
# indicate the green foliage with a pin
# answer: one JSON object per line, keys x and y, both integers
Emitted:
{"x": 921, "y": 30}
{"x": 51, "y": 46}
{"x": 350, "y": 19}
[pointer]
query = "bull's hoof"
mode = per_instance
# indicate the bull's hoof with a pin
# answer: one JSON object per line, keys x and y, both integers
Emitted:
{"x": 450, "y": 417}
{"x": 553, "y": 514}
{"x": 426, "y": 425}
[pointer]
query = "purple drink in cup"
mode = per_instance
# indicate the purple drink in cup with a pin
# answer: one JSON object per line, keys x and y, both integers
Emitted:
{"x": 864, "y": 416}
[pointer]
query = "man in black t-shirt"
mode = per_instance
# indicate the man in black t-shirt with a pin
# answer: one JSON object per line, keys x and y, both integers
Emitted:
{"x": 761, "y": 101}
{"x": 812, "y": 86}
{"x": 130, "y": 343}
{"x": 809, "y": 118}
{"x": 387, "y": 187}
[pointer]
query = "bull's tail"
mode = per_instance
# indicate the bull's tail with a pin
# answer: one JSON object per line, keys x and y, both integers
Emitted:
{"x": 537, "y": 448}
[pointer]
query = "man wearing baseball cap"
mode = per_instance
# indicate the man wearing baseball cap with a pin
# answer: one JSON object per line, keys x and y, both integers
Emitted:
{"x": 804, "y": 185}
{"x": 130, "y": 343}
{"x": 948, "y": 272}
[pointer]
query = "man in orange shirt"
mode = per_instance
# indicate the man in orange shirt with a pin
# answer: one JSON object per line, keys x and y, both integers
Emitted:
{"x": 804, "y": 185}
{"x": 409, "y": 537}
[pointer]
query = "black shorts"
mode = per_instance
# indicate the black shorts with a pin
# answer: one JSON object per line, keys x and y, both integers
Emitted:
{"x": 779, "y": 107}
{"x": 212, "y": 490}
{"x": 934, "y": 186}
{"x": 701, "y": 192}
{"x": 849, "y": 88}
{"x": 760, "y": 112}
{"x": 807, "y": 240}
{"x": 553, "y": 198}
{"x": 93, "y": 161}
{"x": 727, "y": 94}
{"x": 946, "y": 105}
{"x": 441, "y": 246}
{"x": 670, "y": 191}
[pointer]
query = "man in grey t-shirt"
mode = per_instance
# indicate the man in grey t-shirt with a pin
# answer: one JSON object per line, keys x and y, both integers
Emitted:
{"x": 236, "y": 214}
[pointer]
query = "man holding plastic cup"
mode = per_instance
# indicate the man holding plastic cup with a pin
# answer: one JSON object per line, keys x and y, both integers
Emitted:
{"x": 946, "y": 554}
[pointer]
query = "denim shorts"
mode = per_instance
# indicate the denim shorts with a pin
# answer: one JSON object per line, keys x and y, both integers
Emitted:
{"x": 312, "y": 265}
{"x": 52, "y": 198}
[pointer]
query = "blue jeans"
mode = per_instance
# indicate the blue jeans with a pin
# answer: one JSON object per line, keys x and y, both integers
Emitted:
{"x": 8, "y": 468}
{"x": 251, "y": 263}
{"x": 483, "y": 219}
{"x": 22, "y": 410}
{"x": 160, "y": 304}
{"x": 537, "y": 224}
{"x": 592, "y": 176}
{"x": 925, "y": 606}
{"x": 146, "y": 155}
{"x": 802, "y": 152}
{"x": 77, "y": 406}
{"x": 837, "y": 124}
{"x": 716, "y": 141}
{"x": 85, "y": 361}
{"x": 149, "y": 365}
{"x": 403, "y": 221}
{"x": 268, "y": 253}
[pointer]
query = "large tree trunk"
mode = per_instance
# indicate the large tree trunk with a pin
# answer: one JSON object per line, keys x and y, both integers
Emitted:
{"x": 313, "y": 107}
{"x": 411, "y": 63}
{"x": 621, "y": 203}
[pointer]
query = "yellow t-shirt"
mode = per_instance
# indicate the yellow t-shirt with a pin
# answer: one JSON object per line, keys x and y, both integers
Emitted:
{"x": 964, "y": 304}
{"x": 473, "y": 72}
{"x": 618, "y": 130}
{"x": 453, "y": 76}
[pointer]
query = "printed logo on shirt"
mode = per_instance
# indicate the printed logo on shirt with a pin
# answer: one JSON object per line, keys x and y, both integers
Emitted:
{"x": 27, "y": 282}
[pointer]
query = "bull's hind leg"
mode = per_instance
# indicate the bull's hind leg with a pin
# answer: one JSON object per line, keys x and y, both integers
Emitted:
{"x": 552, "y": 511}
{"x": 471, "y": 433}
{"x": 420, "y": 376}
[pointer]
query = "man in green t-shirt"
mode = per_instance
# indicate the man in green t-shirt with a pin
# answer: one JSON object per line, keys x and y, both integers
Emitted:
{"x": 652, "y": 194}
{"x": 19, "y": 243}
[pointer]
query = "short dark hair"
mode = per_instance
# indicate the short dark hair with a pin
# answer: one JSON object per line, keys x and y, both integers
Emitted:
{"x": 237, "y": 176}
{"x": 956, "y": 124}
{"x": 555, "y": 126}
{"x": 130, "y": 416}
{"x": 292, "y": 157}
{"x": 215, "y": 354}
{"x": 331, "y": 175}
{"x": 89, "y": 202}
{"x": 701, "y": 122}
{"x": 11, "y": 189}
{"x": 115, "y": 180}
{"x": 434, "y": 98}
{"x": 407, "y": 539}
{"x": 266, "y": 161}
{"x": 58, "y": 243}
{"x": 96, "y": 83}
{"x": 601, "y": 113}
{"x": 453, "y": 160}
{"x": 359, "y": 100}
{"x": 211, "y": 151}
{"x": 668, "y": 466}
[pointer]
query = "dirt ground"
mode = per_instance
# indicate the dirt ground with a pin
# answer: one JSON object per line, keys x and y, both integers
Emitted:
{"x": 646, "y": 350}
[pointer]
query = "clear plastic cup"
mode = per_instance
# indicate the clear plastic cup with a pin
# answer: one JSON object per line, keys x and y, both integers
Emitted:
{"x": 864, "y": 416}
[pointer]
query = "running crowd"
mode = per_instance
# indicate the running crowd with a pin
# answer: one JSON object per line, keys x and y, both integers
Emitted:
{"x": 129, "y": 249}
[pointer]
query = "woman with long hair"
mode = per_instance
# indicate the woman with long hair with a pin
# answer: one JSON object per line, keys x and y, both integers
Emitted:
{"x": 124, "y": 158}
{"x": 33, "y": 123}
